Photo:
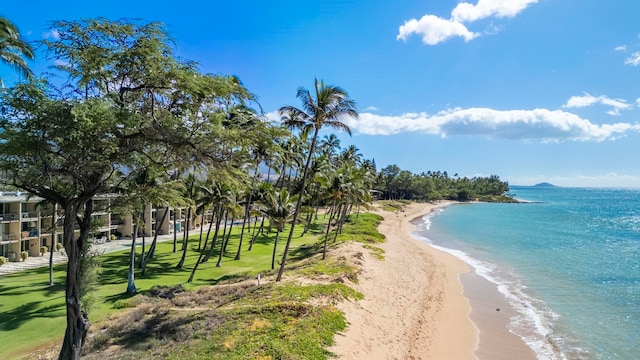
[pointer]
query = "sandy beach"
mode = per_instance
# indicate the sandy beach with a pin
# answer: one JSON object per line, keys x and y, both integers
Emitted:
{"x": 416, "y": 307}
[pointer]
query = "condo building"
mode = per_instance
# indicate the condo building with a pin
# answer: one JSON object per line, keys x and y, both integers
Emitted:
{"x": 27, "y": 223}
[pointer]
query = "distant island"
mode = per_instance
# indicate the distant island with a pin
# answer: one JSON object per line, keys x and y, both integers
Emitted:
{"x": 544, "y": 185}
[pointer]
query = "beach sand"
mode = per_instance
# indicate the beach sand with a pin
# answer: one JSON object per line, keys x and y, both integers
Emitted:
{"x": 415, "y": 305}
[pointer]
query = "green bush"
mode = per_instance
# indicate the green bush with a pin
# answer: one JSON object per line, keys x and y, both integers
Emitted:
{"x": 24, "y": 255}
{"x": 43, "y": 249}
{"x": 58, "y": 246}
{"x": 3, "y": 260}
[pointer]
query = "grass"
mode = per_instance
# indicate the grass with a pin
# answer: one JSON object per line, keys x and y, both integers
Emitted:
{"x": 28, "y": 305}
{"x": 392, "y": 205}
{"x": 173, "y": 320}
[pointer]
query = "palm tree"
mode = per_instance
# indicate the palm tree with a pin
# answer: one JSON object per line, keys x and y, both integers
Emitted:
{"x": 13, "y": 49}
{"x": 330, "y": 105}
{"x": 330, "y": 144}
{"x": 279, "y": 207}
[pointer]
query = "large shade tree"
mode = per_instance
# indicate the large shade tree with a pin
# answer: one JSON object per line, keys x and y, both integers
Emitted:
{"x": 127, "y": 98}
{"x": 327, "y": 107}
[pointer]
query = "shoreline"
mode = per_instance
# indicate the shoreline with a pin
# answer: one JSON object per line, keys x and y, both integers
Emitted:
{"x": 424, "y": 303}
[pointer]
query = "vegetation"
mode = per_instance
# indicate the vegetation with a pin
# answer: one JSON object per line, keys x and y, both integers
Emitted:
{"x": 236, "y": 319}
{"x": 134, "y": 120}
{"x": 13, "y": 49}
{"x": 396, "y": 184}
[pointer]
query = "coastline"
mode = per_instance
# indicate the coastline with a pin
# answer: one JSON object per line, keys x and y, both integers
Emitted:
{"x": 424, "y": 303}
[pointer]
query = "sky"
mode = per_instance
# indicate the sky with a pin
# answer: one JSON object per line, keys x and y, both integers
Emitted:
{"x": 529, "y": 90}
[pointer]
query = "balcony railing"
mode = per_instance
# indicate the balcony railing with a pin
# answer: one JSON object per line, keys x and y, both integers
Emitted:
{"x": 9, "y": 217}
{"x": 29, "y": 215}
{"x": 8, "y": 237}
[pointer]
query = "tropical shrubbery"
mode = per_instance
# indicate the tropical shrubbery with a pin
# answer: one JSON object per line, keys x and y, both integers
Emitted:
{"x": 396, "y": 184}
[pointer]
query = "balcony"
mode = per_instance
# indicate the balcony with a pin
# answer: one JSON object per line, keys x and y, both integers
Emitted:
{"x": 8, "y": 238}
{"x": 9, "y": 217}
{"x": 29, "y": 215}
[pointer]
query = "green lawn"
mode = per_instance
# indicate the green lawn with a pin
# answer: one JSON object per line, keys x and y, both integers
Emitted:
{"x": 32, "y": 313}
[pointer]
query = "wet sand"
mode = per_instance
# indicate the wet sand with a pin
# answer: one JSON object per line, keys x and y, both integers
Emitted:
{"x": 415, "y": 306}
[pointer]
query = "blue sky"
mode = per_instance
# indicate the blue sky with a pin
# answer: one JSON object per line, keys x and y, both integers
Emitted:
{"x": 530, "y": 90}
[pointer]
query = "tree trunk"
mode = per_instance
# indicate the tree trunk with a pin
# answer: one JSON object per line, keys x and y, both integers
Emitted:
{"x": 131, "y": 285}
{"x": 202, "y": 251}
{"x": 275, "y": 245}
{"x": 201, "y": 231}
{"x": 143, "y": 239}
{"x": 326, "y": 234}
{"x": 77, "y": 320}
{"x": 341, "y": 217}
{"x": 244, "y": 221}
{"x": 175, "y": 232}
{"x": 225, "y": 241}
{"x": 152, "y": 248}
{"x": 54, "y": 221}
{"x": 215, "y": 235}
{"x": 185, "y": 241}
{"x": 298, "y": 205}
{"x": 253, "y": 234}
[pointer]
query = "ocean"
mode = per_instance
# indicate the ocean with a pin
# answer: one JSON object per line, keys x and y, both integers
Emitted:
{"x": 568, "y": 261}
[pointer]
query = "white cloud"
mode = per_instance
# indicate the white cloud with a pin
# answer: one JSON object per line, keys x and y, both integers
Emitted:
{"x": 589, "y": 100}
{"x": 621, "y": 48}
{"x": 434, "y": 30}
{"x": 634, "y": 59}
{"x": 273, "y": 116}
{"x": 545, "y": 125}
{"x": 465, "y": 12}
{"x": 53, "y": 34}
{"x": 371, "y": 108}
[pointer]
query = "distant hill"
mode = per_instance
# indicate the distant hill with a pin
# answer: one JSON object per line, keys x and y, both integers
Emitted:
{"x": 544, "y": 185}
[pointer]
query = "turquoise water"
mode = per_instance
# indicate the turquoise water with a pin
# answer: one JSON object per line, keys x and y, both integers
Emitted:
{"x": 569, "y": 262}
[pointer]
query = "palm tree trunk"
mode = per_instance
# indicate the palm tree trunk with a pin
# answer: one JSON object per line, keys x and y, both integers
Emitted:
{"x": 326, "y": 234}
{"x": 175, "y": 232}
{"x": 185, "y": 241}
{"x": 54, "y": 221}
{"x": 215, "y": 236}
{"x": 152, "y": 248}
{"x": 201, "y": 230}
{"x": 224, "y": 243}
{"x": 131, "y": 286}
{"x": 202, "y": 251}
{"x": 142, "y": 255}
{"x": 275, "y": 245}
{"x": 253, "y": 234}
{"x": 298, "y": 205}
{"x": 244, "y": 221}
{"x": 341, "y": 216}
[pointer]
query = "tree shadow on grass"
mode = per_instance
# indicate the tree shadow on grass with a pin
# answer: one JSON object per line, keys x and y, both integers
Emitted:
{"x": 304, "y": 251}
{"x": 13, "y": 319}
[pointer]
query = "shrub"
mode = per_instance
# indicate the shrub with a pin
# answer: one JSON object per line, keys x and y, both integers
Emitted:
{"x": 58, "y": 246}
{"x": 24, "y": 255}
{"x": 43, "y": 249}
{"x": 3, "y": 260}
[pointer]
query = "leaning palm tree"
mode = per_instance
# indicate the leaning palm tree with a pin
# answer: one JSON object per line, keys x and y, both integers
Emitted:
{"x": 330, "y": 105}
{"x": 13, "y": 49}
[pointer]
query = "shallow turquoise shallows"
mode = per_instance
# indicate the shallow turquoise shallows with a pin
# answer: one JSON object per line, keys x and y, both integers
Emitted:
{"x": 568, "y": 261}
